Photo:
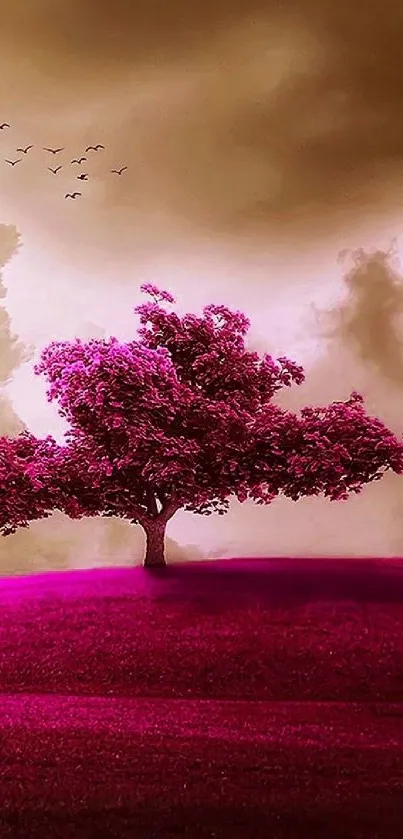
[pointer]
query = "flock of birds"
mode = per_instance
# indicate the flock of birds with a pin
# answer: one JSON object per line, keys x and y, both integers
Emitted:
{"x": 82, "y": 176}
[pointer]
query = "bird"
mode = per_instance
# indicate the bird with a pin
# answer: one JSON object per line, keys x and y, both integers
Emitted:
{"x": 119, "y": 171}
{"x": 80, "y": 160}
{"x": 27, "y": 148}
{"x": 72, "y": 194}
{"x": 13, "y": 162}
{"x": 95, "y": 148}
{"x": 53, "y": 151}
{"x": 4, "y": 125}
{"x": 82, "y": 177}
{"x": 55, "y": 171}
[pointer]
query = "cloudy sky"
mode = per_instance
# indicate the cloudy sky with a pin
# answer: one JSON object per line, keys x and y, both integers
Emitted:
{"x": 260, "y": 141}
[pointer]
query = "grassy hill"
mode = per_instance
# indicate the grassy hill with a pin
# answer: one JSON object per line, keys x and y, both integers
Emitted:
{"x": 234, "y": 698}
{"x": 247, "y": 629}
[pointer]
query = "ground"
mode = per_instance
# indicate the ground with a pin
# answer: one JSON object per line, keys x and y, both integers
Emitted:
{"x": 234, "y": 698}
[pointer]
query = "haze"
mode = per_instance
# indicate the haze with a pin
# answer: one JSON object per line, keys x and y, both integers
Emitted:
{"x": 259, "y": 144}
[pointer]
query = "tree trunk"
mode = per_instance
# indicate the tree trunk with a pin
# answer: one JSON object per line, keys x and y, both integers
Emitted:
{"x": 155, "y": 545}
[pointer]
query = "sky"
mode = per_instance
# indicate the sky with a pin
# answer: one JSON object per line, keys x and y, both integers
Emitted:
{"x": 260, "y": 141}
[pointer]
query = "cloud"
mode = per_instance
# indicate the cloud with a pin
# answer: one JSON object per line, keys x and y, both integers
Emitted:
{"x": 368, "y": 320}
{"x": 12, "y": 351}
{"x": 237, "y": 119}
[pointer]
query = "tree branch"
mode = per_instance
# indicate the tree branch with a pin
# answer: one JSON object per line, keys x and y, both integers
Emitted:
{"x": 169, "y": 508}
{"x": 152, "y": 503}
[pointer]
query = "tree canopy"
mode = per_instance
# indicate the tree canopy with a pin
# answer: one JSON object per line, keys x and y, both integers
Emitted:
{"x": 183, "y": 417}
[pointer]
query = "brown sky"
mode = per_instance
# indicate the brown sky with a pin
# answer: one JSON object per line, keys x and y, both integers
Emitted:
{"x": 244, "y": 119}
{"x": 260, "y": 139}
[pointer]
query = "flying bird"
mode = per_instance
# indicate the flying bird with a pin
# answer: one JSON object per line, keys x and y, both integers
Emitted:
{"x": 53, "y": 151}
{"x": 80, "y": 160}
{"x": 55, "y": 171}
{"x": 13, "y": 162}
{"x": 27, "y": 148}
{"x": 4, "y": 125}
{"x": 95, "y": 148}
{"x": 119, "y": 171}
{"x": 72, "y": 194}
{"x": 82, "y": 177}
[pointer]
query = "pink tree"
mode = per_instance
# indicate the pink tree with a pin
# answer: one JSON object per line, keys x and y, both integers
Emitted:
{"x": 29, "y": 480}
{"x": 183, "y": 417}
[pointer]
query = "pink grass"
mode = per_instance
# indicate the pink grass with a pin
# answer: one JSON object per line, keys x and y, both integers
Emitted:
{"x": 248, "y": 629}
{"x": 237, "y": 698}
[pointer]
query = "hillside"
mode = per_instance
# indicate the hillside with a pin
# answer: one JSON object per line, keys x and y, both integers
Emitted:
{"x": 230, "y": 699}
{"x": 248, "y": 629}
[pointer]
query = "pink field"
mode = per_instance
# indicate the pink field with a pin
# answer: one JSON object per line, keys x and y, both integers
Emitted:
{"x": 239, "y": 698}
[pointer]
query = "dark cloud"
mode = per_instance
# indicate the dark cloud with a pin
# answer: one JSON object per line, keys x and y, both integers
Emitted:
{"x": 369, "y": 319}
{"x": 288, "y": 118}
{"x": 95, "y": 34}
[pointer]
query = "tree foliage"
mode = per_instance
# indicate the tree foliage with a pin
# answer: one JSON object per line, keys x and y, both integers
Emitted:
{"x": 183, "y": 417}
{"x": 29, "y": 480}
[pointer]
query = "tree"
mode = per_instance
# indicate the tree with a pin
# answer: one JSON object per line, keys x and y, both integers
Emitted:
{"x": 29, "y": 480}
{"x": 183, "y": 417}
